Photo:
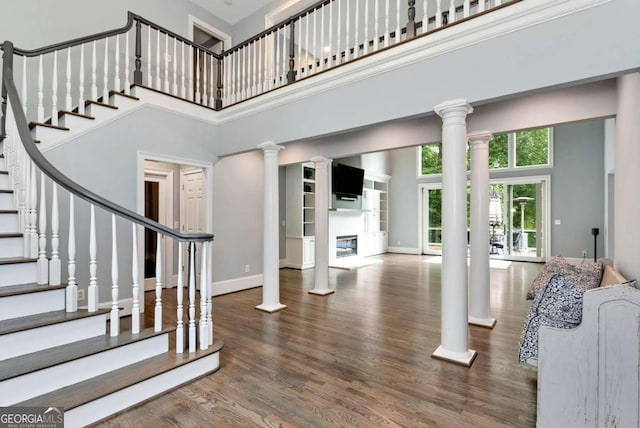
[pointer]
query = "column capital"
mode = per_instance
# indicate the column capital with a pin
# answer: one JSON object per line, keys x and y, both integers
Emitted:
{"x": 478, "y": 138}
{"x": 270, "y": 146}
{"x": 320, "y": 160}
{"x": 457, "y": 105}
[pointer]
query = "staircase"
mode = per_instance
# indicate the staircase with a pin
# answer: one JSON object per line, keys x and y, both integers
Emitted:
{"x": 85, "y": 360}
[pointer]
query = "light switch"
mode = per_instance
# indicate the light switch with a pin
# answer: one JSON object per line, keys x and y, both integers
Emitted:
{"x": 557, "y": 222}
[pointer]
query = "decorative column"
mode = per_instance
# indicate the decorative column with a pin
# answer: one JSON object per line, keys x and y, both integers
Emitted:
{"x": 479, "y": 285}
{"x": 270, "y": 245}
{"x": 321, "y": 286}
{"x": 454, "y": 345}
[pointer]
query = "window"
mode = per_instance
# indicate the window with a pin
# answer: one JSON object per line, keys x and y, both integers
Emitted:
{"x": 530, "y": 148}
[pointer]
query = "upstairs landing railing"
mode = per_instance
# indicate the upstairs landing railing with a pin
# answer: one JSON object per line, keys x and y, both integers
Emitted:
{"x": 32, "y": 174}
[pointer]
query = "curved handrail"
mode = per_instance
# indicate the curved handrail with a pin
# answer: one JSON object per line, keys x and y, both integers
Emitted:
{"x": 65, "y": 182}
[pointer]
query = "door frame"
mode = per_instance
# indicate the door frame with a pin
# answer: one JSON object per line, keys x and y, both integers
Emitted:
{"x": 208, "y": 28}
{"x": 423, "y": 188}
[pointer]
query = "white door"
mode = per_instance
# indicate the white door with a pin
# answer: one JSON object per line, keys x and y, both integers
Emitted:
{"x": 158, "y": 185}
{"x": 192, "y": 209}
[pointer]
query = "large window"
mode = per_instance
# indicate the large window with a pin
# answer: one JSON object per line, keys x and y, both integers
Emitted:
{"x": 531, "y": 148}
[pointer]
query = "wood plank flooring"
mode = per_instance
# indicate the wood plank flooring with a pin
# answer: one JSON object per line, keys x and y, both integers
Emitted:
{"x": 358, "y": 358}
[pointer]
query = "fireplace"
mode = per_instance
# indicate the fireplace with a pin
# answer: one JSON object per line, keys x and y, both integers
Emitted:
{"x": 346, "y": 246}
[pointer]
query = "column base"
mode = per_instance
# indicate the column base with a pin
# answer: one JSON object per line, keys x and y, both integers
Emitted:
{"x": 271, "y": 308}
{"x": 461, "y": 358}
{"x": 324, "y": 292}
{"x": 482, "y": 322}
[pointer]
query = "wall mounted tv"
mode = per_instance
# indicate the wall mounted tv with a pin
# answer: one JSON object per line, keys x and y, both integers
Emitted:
{"x": 347, "y": 181}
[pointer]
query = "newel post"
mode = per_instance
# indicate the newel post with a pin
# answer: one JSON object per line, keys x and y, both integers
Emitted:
{"x": 411, "y": 25}
{"x": 218, "y": 100}
{"x": 291, "y": 75}
{"x": 137, "y": 74}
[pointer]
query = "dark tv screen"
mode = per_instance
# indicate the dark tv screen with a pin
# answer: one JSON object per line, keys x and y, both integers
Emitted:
{"x": 347, "y": 180}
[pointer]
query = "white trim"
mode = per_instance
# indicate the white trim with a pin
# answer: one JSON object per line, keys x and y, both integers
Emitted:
{"x": 283, "y": 263}
{"x": 284, "y": 11}
{"x": 237, "y": 284}
{"x": 404, "y": 250}
{"x": 196, "y": 22}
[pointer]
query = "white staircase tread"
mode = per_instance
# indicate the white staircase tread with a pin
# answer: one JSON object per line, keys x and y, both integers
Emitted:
{"x": 29, "y": 363}
{"x": 15, "y": 325}
{"x": 19, "y": 289}
{"x": 100, "y": 386}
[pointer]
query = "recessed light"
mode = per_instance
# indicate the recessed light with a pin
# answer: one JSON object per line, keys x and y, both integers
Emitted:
{"x": 327, "y": 49}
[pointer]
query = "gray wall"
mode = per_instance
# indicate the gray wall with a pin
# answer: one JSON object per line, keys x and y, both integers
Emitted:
{"x": 577, "y": 190}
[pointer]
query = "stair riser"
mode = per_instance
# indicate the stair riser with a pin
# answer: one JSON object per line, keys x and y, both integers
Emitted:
{"x": 74, "y": 123}
{"x": 44, "y": 381}
{"x": 6, "y": 201}
{"x": 3, "y": 164}
{"x": 123, "y": 103}
{"x": 37, "y": 339}
{"x": 18, "y": 273}
{"x": 11, "y": 247}
{"x": 5, "y": 183}
{"x": 99, "y": 409}
{"x": 8, "y": 223}
{"x": 48, "y": 135}
{"x": 100, "y": 113}
{"x": 30, "y": 304}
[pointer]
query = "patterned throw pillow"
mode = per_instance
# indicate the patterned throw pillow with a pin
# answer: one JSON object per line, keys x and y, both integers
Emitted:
{"x": 586, "y": 275}
{"x": 552, "y": 267}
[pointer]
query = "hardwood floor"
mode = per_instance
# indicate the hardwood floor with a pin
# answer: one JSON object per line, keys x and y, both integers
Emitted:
{"x": 358, "y": 358}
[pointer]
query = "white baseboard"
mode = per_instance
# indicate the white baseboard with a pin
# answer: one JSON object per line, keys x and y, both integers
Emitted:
{"x": 283, "y": 263}
{"x": 578, "y": 260}
{"x": 404, "y": 250}
{"x": 237, "y": 284}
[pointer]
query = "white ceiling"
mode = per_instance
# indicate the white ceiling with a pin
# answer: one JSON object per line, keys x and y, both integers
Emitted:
{"x": 234, "y": 12}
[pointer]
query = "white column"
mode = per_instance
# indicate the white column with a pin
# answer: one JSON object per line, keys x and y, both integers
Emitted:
{"x": 479, "y": 285}
{"x": 454, "y": 345}
{"x": 321, "y": 286}
{"x": 271, "y": 238}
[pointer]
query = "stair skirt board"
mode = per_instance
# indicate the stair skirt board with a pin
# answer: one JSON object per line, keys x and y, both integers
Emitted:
{"x": 123, "y": 103}
{"x": 75, "y": 123}
{"x": 24, "y": 305}
{"x": 18, "y": 273}
{"x": 9, "y": 222}
{"x": 6, "y": 201}
{"x": 31, "y": 385}
{"x": 11, "y": 247}
{"x": 106, "y": 406}
{"x": 50, "y": 135}
{"x": 100, "y": 112}
{"x": 37, "y": 339}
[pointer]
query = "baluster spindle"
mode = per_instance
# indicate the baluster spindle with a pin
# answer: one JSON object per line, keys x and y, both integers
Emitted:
{"x": 452, "y": 12}
{"x": 40, "y": 108}
{"x": 209, "y": 280}
{"x": 398, "y": 32}
{"x": 306, "y": 68}
{"x": 127, "y": 81}
{"x": 203, "y": 65}
{"x": 54, "y": 90}
{"x": 116, "y": 78}
{"x": 321, "y": 38}
{"x": 114, "y": 319}
{"x": 285, "y": 57}
{"x": 300, "y": 65}
{"x": 183, "y": 88}
{"x": 33, "y": 214}
{"x": 497, "y": 3}
{"x": 481, "y": 6}
{"x": 234, "y": 77}
{"x": 242, "y": 72}
{"x": 135, "y": 307}
{"x": 105, "y": 81}
{"x": 261, "y": 87}
{"x": 356, "y": 29}
{"x": 137, "y": 73}
{"x": 291, "y": 74}
{"x": 411, "y": 24}
{"x": 245, "y": 71}
{"x": 166, "y": 63}
{"x": 179, "y": 308}
{"x": 386, "y": 24}
{"x": 158, "y": 306}
{"x": 55, "y": 264}
{"x": 149, "y": 61}
{"x": 254, "y": 83}
{"x": 68, "y": 102}
{"x": 330, "y": 29}
{"x": 23, "y": 200}
{"x": 192, "y": 92}
{"x": 197, "y": 97}
{"x": 81, "y": 84}
{"x": 204, "y": 329}
{"x": 347, "y": 32}
{"x": 339, "y": 41}
{"x": 92, "y": 290}
{"x": 174, "y": 89}
{"x": 72, "y": 286}
{"x": 192, "y": 297}
{"x": 43, "y": 263}
{"x": 94, "y": 73}
{"x": 466, "y": 8}
{"x": 438, "y": 22}
{"x": 212, "y": 85}
{"x": 376, "y": 25}
{"x": 158, "y": 85}
{"x": 366, "y": 27}
{"x": 219, "y": 87}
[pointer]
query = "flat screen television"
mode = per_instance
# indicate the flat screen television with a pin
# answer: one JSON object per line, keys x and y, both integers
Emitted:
{"x": 347, "y": 181}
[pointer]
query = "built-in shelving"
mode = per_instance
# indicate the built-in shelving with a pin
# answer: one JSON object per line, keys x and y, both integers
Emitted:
{"x": 301, "y": 215}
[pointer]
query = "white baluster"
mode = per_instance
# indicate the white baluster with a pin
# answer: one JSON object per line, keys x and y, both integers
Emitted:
{"x": 43, "y": 263}
{"x": 314, "y": 53}
{"x": 376, "y": 25}
{"x": 114, "y": 319}
{"x": 425, "y": 16}
{"x": 481, "y": 6}
{"x": 330, "y": 29}
{"x": 40, "y": 111}
{"x": 452, "y": 12}
{"x": 246, "y": 57}
{"x": 277, "y": 62}
{"x": 254, "y": 85}
{"x": 197, "y": 99}
{"x": 81, "y": 83}
{"x": 68, "y": 101}
{"x": 243, "y": 78}
{"x": 386, "y": 23}
{"x": 135, "y": 308}
{"x": 260, "y": 68}
{"x": 105, "y": 80}
{"x": 306, "y": 45}
{"x": 192, "y": 297}
{"x": 33, "y": 191}
{"x": 439, "y": 14}
{"x": 285, "y": 55}
{"x": 209, "y": 280}
{"x": 166, "y": 63}
{"x": 398, "y": 31}
{"x": 321, "y": 38}
{"x": 158, "y": 79}
{"x": 158, "y": 307}
{"x": 234, "y": 76}
{"x": 356, "y": 34}
{"x": 204, "y": 328}
{"x": 466, "y": 8}
{"x": 127, "y": 72}
{"x": 347, "y": 33}
{"x": 149, "y": 76}
{"x": 497, "y": 3}
{"x": 366, "y": 27}
{"x": 192, "y": 92}
{"x": 55, "y": 264}
{"x": 205, "y": 94}
{"x": 299, "y": 59}
{"x": 22, "y": 200}
{"x": 339, "y": 41}
{"x": 54, "y": 90}
{"x": 72, "y": 287}
{"x": 213, "y": 84}
{"x": 92, "y": 291}
{"x": 183, "y": 88}
{"x": 179, "y": 309}
{"x": 24, "y": 85}
{"x": 94, "y": 73}
{"x": 174, "y": 89}
{"x": 116, "y": 78}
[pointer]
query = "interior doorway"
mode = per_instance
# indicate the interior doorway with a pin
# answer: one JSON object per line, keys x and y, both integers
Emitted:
{"x": 204, "y": 68}
{"x": 192, "y": 209}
